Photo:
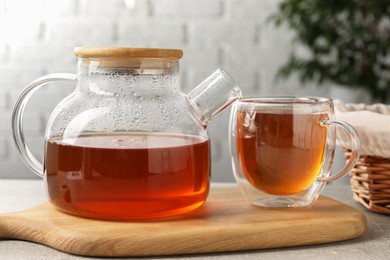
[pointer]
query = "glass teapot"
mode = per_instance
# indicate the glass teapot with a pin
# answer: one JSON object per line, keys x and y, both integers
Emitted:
{"x": 127, "y": 144}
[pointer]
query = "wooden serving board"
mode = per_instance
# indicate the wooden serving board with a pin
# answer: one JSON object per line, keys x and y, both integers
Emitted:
{"x": 225, "y": 223}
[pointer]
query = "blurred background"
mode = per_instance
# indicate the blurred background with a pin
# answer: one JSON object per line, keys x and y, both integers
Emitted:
{"x": 254, "y": 41}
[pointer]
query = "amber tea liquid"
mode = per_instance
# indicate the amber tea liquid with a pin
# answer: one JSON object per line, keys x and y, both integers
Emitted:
{"x": 281, "y": 153}
{"x": 128, "y": 177}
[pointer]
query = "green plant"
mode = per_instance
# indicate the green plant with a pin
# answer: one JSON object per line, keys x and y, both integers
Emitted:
{"x": 348, "y": 42}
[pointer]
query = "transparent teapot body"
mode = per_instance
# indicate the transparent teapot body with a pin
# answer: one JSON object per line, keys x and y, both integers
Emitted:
{"x": 127, "y": 144}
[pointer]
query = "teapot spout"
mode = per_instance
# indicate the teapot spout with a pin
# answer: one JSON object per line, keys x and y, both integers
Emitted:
{"x": 213, "y": 95}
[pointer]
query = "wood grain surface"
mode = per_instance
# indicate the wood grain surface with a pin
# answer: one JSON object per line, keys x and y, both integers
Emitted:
{"x": 225, "y": 223}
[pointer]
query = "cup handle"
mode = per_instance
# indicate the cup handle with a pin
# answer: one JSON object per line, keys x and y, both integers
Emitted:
{"x": 17, "y": 118}
{"x": 355, "y": 150}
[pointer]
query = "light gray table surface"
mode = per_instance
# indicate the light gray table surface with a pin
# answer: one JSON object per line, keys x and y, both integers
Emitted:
{"x": 17, "y": 195}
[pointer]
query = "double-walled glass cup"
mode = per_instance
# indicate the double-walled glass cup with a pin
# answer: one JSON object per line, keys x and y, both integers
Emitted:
{"x": 282, "y": 149}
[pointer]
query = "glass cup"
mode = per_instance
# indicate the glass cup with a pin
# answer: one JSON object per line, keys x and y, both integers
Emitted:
{"x": 282, "y": 149}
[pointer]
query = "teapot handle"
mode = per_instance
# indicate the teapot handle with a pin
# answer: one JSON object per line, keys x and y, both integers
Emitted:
{"x": 17, "y": 118}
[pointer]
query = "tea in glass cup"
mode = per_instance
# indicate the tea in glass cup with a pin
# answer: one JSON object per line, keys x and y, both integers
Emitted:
{"x": 282, "y": 149}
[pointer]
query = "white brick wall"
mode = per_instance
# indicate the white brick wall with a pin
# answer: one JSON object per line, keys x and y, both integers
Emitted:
{"x": 4, "y": 100}
{"x": 39, "y": 39}
{"x": 222, "y": 33}
{"x": 80, "y": 31}
{"x": 188, "y": 9}
{"x": 159, "y": 33}
{"x": 100, "y": 8}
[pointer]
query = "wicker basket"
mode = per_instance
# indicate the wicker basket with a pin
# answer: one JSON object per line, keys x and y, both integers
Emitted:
{"x": 370, "y": 182}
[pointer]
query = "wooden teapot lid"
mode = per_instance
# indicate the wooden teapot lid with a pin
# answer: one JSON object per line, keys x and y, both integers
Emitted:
{"x": 122, "y": 52}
